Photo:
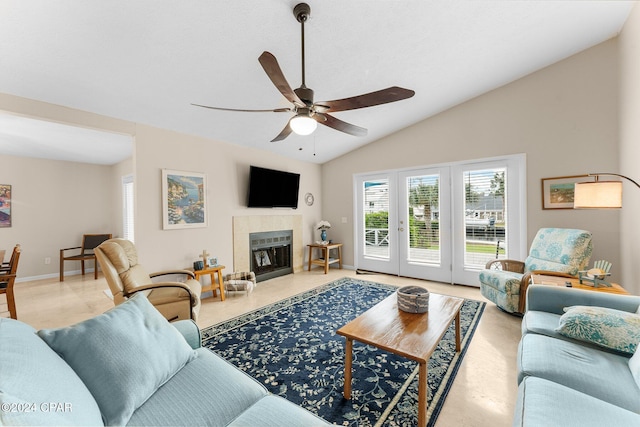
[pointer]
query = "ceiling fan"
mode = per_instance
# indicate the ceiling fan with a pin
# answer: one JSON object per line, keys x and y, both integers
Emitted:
{"x": 307, "y": 112}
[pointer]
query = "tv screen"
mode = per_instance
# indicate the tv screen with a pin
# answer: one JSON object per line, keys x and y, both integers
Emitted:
{"x": 270, "y": 188}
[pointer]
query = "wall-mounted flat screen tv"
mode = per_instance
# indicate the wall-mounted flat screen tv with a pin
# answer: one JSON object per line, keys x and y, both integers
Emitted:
{"x": 270, "y": 188}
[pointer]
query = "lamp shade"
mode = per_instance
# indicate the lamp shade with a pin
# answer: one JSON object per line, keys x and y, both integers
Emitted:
{"x": 597, "y": 195}
{"x": 303, "y": 125}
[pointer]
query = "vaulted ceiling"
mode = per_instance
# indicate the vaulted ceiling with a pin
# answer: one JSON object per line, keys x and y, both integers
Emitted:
{"x": 148, "y": 61}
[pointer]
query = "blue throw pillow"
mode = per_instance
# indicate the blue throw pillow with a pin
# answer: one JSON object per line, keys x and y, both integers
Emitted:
{"x": 606, "y": 327}
{"x": 122, "y": 355}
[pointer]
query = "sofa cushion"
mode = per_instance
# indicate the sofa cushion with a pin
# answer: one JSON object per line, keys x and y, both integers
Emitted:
{"x": 601, "y": 374}
{"x": 32, "y": 376}
{"x": 207, "y": 391}
{"x": 545, "y": 403}
{"x": 541, "y": 322}
{"x": 122, "y": 355}
{"x": 614, "y": 329}
{"x": 634, "y": 366}
{"x": 275, "y": 411}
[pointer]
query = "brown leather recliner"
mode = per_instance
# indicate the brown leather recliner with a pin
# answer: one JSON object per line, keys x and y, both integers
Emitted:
{"x": 118, "y": 259}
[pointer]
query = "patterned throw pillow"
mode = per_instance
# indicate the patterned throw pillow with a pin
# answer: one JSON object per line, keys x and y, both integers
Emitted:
{"x": 606, "y": 327}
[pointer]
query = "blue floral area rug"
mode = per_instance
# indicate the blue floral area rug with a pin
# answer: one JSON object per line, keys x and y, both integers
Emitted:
{"x": 291, "y": 347}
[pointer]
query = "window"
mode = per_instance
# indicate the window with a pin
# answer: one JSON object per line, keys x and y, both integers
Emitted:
{"x": 441, "y": 222}
{"x": 127, "y": 207}
{"x": 485, "y": 213}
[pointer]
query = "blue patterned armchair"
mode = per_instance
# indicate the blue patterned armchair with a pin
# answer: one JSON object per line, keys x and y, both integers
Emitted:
{"x": 554, "y": 251}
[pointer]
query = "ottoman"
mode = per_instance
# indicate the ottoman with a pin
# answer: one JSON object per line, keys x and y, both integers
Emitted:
{"x": 243, "y": 281}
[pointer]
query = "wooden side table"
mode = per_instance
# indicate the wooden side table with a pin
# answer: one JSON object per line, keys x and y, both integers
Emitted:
{"x": 325, "y": 259}
{"x": 212, "y": 271}
{"x": 541, "y": 279}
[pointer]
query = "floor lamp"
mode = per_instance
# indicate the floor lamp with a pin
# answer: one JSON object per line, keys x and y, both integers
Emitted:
{"x": 599, "y": 194}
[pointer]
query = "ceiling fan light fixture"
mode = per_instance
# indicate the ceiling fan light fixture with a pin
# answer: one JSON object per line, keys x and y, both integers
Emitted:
{"x": 302, "y": 124}
{"x": 307, "y": 112}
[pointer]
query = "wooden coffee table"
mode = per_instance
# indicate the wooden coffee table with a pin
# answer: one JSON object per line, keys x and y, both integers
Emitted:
{"x": 410, "y": 335}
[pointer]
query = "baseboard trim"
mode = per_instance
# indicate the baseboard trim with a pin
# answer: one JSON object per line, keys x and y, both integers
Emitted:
{"x": 53, "y": 275}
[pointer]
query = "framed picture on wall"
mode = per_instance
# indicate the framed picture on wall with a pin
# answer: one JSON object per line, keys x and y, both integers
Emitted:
{"x": 184, "y": 199}
{"x": 557, "y": 193}
{"x": 5, "y": 206}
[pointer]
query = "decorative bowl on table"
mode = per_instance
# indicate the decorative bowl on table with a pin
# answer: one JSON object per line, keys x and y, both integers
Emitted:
{"x": 413, "y": 299}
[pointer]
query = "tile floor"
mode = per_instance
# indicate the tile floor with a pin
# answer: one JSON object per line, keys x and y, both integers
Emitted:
{"x": 483, "y": 393}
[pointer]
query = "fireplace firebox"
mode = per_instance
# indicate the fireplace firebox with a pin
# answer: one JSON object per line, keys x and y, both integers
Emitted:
{"x": 271, "y": 254}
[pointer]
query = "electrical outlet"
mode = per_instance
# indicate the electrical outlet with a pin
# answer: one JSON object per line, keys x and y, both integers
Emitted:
{"x": 47, "y": 260}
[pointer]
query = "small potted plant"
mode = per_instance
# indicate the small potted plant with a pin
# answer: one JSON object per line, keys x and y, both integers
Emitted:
{"x": 323, "y": 225}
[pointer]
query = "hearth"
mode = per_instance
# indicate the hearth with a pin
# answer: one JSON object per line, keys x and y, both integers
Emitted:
{"x": 271, "y": 254}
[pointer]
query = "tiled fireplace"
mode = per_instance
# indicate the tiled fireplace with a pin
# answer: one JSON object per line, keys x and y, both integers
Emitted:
{"x": 245, "y": 226}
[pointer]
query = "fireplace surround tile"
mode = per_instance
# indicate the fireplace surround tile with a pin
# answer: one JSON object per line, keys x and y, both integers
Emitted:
{"x": 244, "y": 225}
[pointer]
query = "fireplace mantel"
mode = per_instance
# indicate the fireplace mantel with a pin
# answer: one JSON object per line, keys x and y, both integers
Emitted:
{"x": 243, "y": 225}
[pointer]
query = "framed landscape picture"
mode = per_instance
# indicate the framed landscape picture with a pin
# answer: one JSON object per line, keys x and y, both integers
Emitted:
{"x": 5, "y": 206}
{"x": 557, "y": 193}
{"x": 184, "y": 201}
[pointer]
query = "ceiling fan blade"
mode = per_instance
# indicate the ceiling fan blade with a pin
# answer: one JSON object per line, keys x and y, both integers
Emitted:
{"x": 285, "y": 133}
{"x": 275, "y": 110}
{"x": 384, "y": 96}
{"x": 271, "y": 67}
{"x": 338, "y": 124}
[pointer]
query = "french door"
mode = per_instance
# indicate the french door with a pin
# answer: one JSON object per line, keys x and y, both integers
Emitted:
{"x": 441, "y": 223}
{"x": 424, "y": 241}
{"x": 375, "y": 224}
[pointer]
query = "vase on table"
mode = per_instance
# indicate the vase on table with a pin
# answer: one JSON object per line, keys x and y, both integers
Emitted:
{"x": 323, "y": 235}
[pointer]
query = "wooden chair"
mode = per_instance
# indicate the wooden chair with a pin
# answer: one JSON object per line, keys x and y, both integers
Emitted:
{"x": 89, "y": 243}
{"x": 7, "y": 279}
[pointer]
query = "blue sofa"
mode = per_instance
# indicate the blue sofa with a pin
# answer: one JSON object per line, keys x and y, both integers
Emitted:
{"x": 129, "y": 366}
{"x": 577, "y": 366}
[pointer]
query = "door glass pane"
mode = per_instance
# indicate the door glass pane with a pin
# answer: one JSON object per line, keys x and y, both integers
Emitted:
{"x": 376, "y": 218}
{"x": 423, "y": 219}
{"x": 485, "y": 216}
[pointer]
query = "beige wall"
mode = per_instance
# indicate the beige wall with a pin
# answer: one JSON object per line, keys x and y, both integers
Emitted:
{"x": 227, "y": 170}
{"x": 66, "y": 199}
{"x": 629, "y": 42}
{"x": 563, "y": 117}
{"x": 53, "y": 204}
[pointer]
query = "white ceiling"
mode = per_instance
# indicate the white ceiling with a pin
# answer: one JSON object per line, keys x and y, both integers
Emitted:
{"x": 27, "y": 137}
{"x": 146, "y": 61}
